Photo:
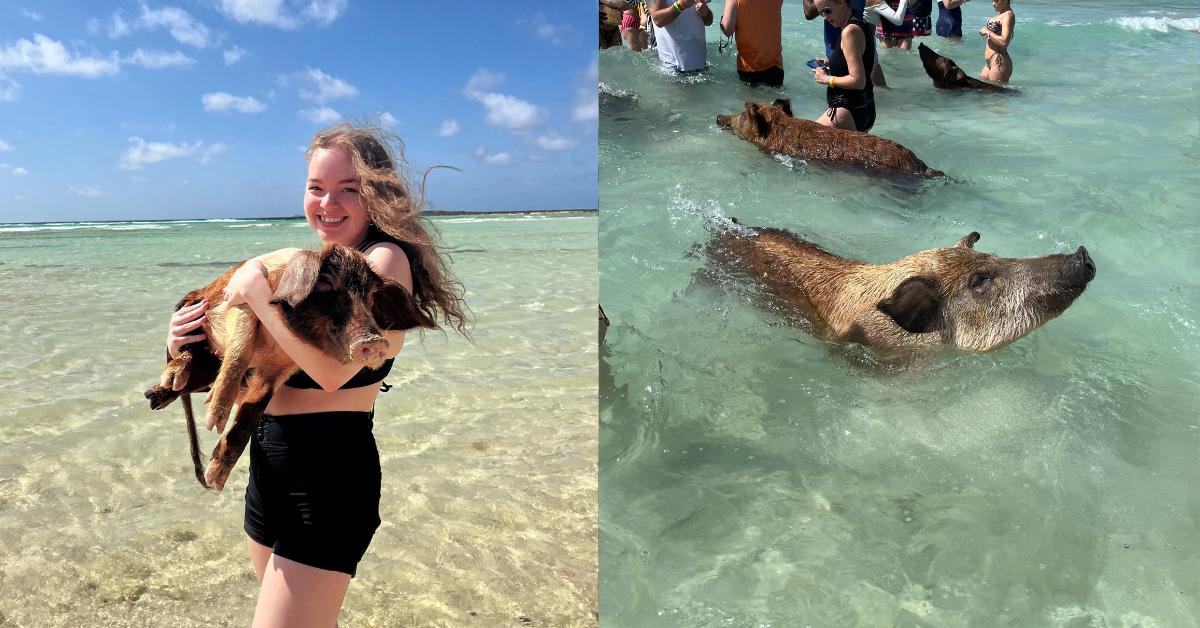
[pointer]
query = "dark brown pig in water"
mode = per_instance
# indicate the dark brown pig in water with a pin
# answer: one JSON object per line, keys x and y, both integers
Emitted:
{"x": 947, "y": 75}
{"x": 955, "y": 297}
{"x": 774, "y": 130}
{"x": 331, "y": 299}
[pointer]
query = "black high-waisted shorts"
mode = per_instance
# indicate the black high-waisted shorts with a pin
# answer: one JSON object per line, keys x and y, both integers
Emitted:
{"x": 314, "y": 488}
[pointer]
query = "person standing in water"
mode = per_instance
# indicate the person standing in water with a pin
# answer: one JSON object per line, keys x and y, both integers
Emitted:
{"x": 849, "y": 94}
{"x": 312, "y": 503}
{"x": 998, "y": 65}
{"x": 949, "y": 22}
{"x": 833, "y": 38}
{"x": 757, "y": 25}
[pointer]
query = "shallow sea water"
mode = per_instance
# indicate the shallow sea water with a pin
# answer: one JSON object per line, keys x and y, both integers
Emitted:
{"x": 488, "y": 449}
{"x": 753, "y": 476}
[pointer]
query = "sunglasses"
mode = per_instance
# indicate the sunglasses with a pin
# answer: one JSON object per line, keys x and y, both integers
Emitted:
{"x": 825, "y": 12}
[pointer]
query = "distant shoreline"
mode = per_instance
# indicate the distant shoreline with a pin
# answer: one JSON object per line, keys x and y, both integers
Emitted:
{"x": 436, "y": 212}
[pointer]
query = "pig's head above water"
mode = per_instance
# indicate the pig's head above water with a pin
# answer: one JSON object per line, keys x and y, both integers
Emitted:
{"x": 334, "y": 300}
{"x": 979, "y": 301}
{"x": 948, "y": 297}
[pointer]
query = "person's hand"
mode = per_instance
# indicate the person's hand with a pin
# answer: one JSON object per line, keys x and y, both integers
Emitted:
{"x": 701, "y": 5}
{"x": 821, "y": 76}
{"x": 686, "y": 4}
{"x": 183, "y": 322}
{"x": 252, "y": 275}
{"x": 983, "y": 32}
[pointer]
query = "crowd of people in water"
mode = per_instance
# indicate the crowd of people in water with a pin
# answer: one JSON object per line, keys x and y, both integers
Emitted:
{"x": 850, "y": 69}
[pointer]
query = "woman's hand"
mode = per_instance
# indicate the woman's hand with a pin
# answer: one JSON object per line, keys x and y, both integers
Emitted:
{"x": 821, "y": 76}
{"x": 984, "y": 32}
{"x": 183, "y": 322}
{"x": 248, "y": 279}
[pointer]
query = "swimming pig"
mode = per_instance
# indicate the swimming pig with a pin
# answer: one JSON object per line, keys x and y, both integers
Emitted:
{"x": 954, "y": 296}
{"x": 947, "y": 75}
{"x": 331, "y": 299}
{"x": 774, "y": 130}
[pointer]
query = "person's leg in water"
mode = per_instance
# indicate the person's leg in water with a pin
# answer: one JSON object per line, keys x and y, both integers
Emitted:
{"x": 906, "y": 43}
{"x": 294, "y": 595}
{"x": 877, "y": 78}
{"x": 838, "y": 118}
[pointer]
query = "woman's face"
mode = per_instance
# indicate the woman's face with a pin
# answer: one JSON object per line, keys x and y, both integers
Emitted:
{"x": 1000, "y": 5}
{"x": 835, "y": 12}
{"x": 332, "y": 203}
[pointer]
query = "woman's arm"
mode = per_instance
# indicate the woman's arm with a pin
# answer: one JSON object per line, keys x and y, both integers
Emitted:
{"x": 249, "y": 285}
{"x": 706, "y": 13}
{"x": 895, "y": 16}
{"x": 729, "y": 17}
{"x": 952, "y": 4}
{"x": 663, "y": 13}
{"x": 852, "y": 48}
{"x": 810, "y": 10}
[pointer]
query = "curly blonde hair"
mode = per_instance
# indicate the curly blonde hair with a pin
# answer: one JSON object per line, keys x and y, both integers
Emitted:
{"x": 377, "y": 156}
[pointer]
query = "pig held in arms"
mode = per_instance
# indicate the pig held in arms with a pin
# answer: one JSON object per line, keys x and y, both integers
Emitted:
{"x": 331, "y": 299}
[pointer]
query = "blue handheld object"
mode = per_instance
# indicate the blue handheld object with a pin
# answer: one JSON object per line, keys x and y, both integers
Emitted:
{"x": 814, "y": 64}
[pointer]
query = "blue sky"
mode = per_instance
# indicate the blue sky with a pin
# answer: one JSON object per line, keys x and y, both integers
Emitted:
{"x": 201, "y": 108}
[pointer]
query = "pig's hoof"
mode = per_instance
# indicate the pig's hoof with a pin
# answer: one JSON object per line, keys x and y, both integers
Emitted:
{"x": 215, "y": 476}
{"x": 160, "y": 397}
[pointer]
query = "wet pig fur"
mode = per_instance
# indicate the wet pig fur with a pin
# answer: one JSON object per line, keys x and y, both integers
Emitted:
{"x": 945, "y": 297}
{"x": 773, "y": 129}
{"x": 331, "y": 299}
{"x": 947, "y": 75}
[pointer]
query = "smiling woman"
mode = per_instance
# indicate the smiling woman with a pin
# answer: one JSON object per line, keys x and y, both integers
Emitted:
{"x": 311, "y": 509}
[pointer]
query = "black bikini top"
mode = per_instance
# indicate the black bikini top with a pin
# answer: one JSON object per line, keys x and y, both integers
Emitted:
{"x": 366, "y": 376}
{"x": 362, "y": 379}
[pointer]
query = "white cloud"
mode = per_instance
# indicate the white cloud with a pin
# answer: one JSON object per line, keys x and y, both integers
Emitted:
{"x": 324, "y": 12}
{"x": 183, "y": 27}
{"x": 157, "y": 59}
{"x": 493, "y": 159}
{"x": 283, "y": 15}
{"x": 503, "y": 110}
{"x": 5, "y": 147}
{"x": 9, "y": 89}
{"x": 46, "y": 56}
{"x": 449, "y": 127}
{"x": 319, "y": 115}
{"x": 387, "y": 120}
{"x": 587, "y": 105}
{"x": 328, "y": 88}
{"x": 220, "y": 101}
{"x": 31, "y": 15}
{"x": 553, "y": 141}
{"x": 553, "y": 34}
{"x": 143, "y": 152}
{"x": 213, "y": 150}
{"x": 19, "y": 172}
{"x": 233, "y": 55}
{"x": 90, "y": 191}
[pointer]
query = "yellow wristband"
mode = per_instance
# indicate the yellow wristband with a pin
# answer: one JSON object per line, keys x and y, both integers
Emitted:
{"x": 833, "y": 81}
{"x": 677, "y": 7}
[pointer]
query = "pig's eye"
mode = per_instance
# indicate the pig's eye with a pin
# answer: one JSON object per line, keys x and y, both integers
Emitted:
{"x": 980, "y": 282}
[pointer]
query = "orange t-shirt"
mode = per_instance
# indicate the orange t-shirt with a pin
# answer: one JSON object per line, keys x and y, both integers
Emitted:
{"x": 759, "y": 32}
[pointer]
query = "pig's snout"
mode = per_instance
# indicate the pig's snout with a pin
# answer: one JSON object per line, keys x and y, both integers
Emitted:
{"x": 370, "y": 351}
{"x": 1083, "y": 263}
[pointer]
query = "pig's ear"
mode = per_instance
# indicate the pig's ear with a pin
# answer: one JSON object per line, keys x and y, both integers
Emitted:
{"x": 968, "y": 241}
{"x": 395, "y": 309}
{"x": 915, "y": 305}
{"x": 298, "y": 278}
{"x": 760, "y": 121}
{"x": 786, "y": 105}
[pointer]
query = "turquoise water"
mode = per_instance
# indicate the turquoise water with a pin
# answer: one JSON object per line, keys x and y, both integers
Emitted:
{"x": 753, "y": 476}
{"x": 488, "y": 449}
